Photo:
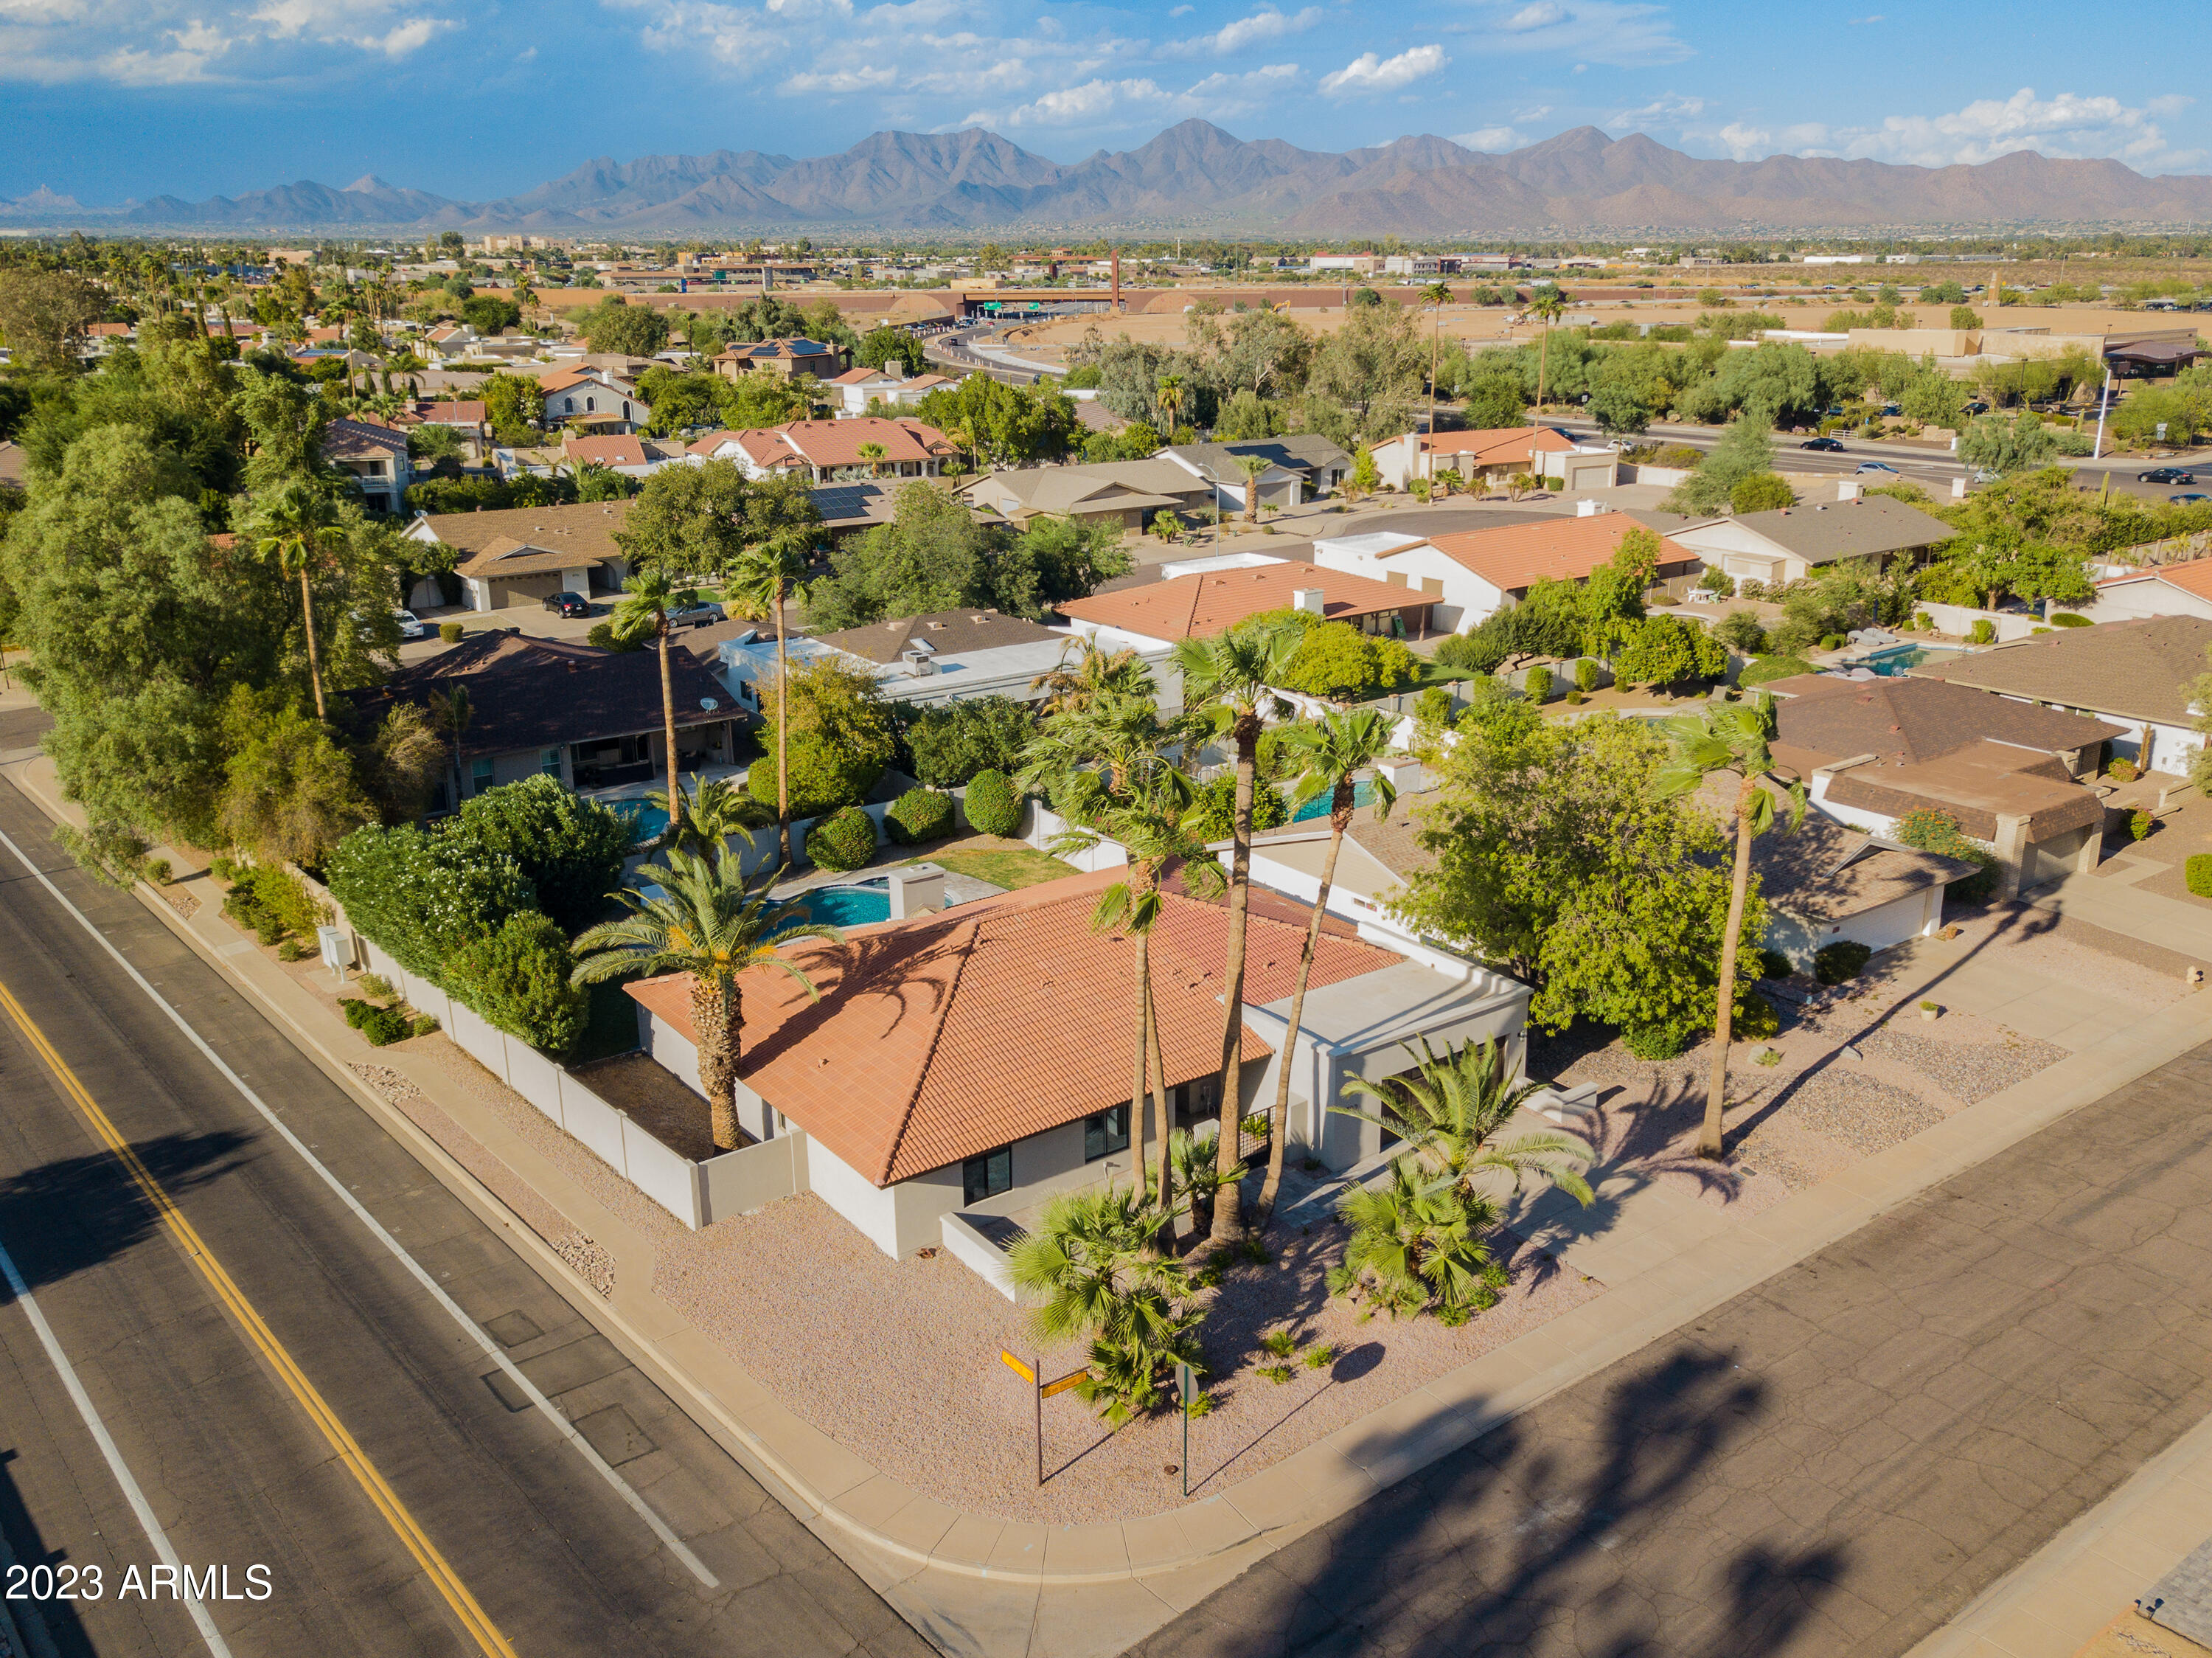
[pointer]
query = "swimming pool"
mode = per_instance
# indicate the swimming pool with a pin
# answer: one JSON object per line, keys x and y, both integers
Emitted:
{"x": 848, "y": 906}
{"x": 645, "y": 822}
{"x": 1363, "y": 794}
{"x": 1893, "y": 660}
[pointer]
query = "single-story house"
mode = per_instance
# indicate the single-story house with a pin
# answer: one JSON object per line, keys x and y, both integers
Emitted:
{"x": 1493, "y": 453}
{"x": 951, "y": 656}
{"x": 851, "y": 508}
{"x": 1294, "y": 465}
{"x": 519, "y": 555}
{"x": 1130, "y": 493}
{"x": 468, "y": 417}
{"x": 1473, "y": 574}
{"x": 2154, "y": 590}
{"x": 973, "y": 1062}
{"x": 591, "y": 717}
{"x": 606, "y": 402}
{"x": 2136, "y": 674}
{"x": 1153, "y": 615}
{"x": 633, "y": 457}
{"x": 828, "y": 451}
{"x": 1788, "y": 543}
{"x": 787, "y": 357}
{"x": 376, "y": 456}
{"x": 2007, "y": 773}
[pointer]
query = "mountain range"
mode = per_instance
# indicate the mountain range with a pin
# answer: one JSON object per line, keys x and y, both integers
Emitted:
{"x": 1196, "y": 177}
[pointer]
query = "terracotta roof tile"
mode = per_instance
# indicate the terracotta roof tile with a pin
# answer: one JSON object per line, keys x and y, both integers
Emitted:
{"x": 1512, "y": 555}
{"x": 1214, "y": 601}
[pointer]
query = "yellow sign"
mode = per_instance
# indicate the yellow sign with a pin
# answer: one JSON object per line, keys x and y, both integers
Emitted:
{"x": 1066, "y": 1382}
{"x": 1016, "y": 1366}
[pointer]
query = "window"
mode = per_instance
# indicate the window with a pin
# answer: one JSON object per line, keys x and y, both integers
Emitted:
{"x": 987, "y": 1176}
{"x": 1106, "y": 1133}
{"x": 550, "y": 765}
{"x": 480, "y": 776}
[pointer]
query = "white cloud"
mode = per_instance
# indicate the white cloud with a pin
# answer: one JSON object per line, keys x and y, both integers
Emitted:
{"x": 1537, "y": 113}
{"x": 173, "y": 42}
{"x": 1369, "y": 73}
{"x": 1745, "y": 143}
{"x": 1491, "y": 140}
{"x": 1086, "y": 105}
{"x": 2069, "y": 125}
{"x": 1620, "y": 33}
{"x": 1268, "y": 23}
{"x": 1860, "y": 22}
{"x": 1542, "y": 15}
{"x": 1667, "y": 109}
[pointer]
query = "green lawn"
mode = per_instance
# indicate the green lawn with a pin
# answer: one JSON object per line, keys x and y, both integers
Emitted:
{"x": 1009, "y": 867}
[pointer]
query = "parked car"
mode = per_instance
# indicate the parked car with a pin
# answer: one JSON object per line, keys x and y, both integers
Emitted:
{"x": 567, "y": 604}
{"x": 1978, "y": 407}
{"x": 410, "y": 625}
{"x": 1826, "y": 445}
{"x": 2189, "y": 500}
{"x": 2166, "y": 475}
{"x": 1892, "y": 409}
{"x": 1984, "y": 475}
{"x": 699, "y": 615}
{"x": 1879, "y": 466}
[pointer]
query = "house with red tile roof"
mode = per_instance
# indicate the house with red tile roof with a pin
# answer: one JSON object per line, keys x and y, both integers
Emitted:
{"x": 1491, "y": 454}
{"x": 598, "y": 399}
{"x": 828, "y": 451}
{"x": 961, "y": 1066}
{"x": 2156, "y": 590}
{"x": 1202, "y": 603}
{"x": 1472, "y": 574}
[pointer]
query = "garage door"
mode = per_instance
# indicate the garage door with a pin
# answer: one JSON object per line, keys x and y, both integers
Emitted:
{"x": 1891, "y": 923}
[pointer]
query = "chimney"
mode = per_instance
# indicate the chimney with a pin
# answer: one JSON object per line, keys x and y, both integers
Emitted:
{"x": 1308, "y": 598}
{"x": 916, "y": 891}
{"x": 1588, "y": 509}
{"x": 1848, "y": 489}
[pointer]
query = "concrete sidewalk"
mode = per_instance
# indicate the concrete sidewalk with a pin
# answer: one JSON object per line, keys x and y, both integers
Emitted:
{"x": 2118, "y": 905}
{"x": 976, "y": 1584}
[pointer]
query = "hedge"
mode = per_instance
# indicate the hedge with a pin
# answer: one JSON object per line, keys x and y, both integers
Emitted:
{"x": 919, "y": 814}
{"x": 1834, "y": 963}
{"x": 518, "y": 980}
{"x": 845, "y": 839}
{"x": 422, "y": 894}
{"x": 2197, "y": 872}
{"x": 951, "y": 745}
{"x": 994, "y": 807}
{"x": 571, "y": 848}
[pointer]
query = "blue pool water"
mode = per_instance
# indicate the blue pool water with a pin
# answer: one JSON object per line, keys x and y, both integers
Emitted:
{"x": 1363, "y": 794}
{"x": 1893, "y": 660}
{"x": 848, "y": 906}
{"x": 647, "y": 822}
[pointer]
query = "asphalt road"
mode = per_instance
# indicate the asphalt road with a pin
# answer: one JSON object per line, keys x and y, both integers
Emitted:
{"x": 231, "y": 1464}
{"x": 1833, "y": 1464}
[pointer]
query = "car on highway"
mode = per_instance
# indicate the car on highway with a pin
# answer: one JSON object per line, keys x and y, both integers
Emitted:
{"x": 2189, "y": 500}
{"x": 1879, "y": 466}
{"x": 1826, "y": 445}
{"x": 2166, "y": 475}
{"x": 567, "y": 604}
{"x": 410, "y": 625}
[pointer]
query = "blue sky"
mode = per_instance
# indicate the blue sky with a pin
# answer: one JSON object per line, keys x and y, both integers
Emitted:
{"x": 109, "y": 99}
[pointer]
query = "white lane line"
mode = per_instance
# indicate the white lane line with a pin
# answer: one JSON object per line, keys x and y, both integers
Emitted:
{"x": 492, "y": 1350}
{"x": 163, "y": 1548}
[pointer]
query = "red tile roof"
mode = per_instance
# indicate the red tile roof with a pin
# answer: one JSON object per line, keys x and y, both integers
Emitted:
{"x": 606, "y": 451}
{"x": 1512, "y": 555}
{"x": 1214, "y": 601}
{"x": 1493, "y": 446}
{"x": 2193, "y": 577}
{"x": 955, "y": 1034}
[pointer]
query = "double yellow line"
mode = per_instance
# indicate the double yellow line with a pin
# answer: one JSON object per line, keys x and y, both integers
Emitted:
{"x": 404, "y": 1525}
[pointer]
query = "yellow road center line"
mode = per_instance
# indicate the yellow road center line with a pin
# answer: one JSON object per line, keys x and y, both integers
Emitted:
{"x": 404, "y": 1525}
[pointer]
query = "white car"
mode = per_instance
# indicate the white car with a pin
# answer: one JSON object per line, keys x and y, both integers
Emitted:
{"x": 410, "y": 625}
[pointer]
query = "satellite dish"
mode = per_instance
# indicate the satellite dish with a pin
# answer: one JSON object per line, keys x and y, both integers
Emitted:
{"x": 708, "y": 704}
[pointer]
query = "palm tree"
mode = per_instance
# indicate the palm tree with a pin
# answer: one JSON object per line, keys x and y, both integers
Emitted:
{"x": 1731, "y": 742}
{"x": 710, "y": 922}
{"x": 1329, "y": 756}
{"x": 1436, "y": 296}
{"x": 761, "y": 580}
{"x": 873, "y": 453}
{"x": 1448, "y": 1110}
{"x": 1094, "y": 1264}
{"x": 1078, "y": 681}
{"x": 1413, "y": 1245}
{"x": 1226, "y": 681}
{"x": 647, "y": 597}
{"x": 301, "y": 530}
{"x": 1254, "y": 467}
{"x": 1197, "y": 1169}
{"x": 702, "y": 822}
{"x": 1166, "y": 398}
{"x": 1547, "y": 305}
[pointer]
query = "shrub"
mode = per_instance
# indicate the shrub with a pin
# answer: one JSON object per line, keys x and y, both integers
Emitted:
{"x": 993, "y": 809}
{"x": 571, "y": 848}
{"x": 1320, "y": 1357}
{"x": 1742, "y": 631}
{"x": 1983, "y": 632}
{"x": 1666, "y": 651}
{"x": 2140, "y": 823}
{"x": 822, "y": 780}
{"x": 424, "y": 1024}
{"x": 1539, "y": 684}
{"x": 158, "y": 871}
{"x": 1755, "y": 1019}
{"x": 1833, "y": 641}
{"x": 1928, "y": 830}
{"x": 2069, "y": 618}
{"x": 1575, "y": 699}
{"x": 450, "y": 632}
{"x": 381, "y": 1025}
{"x": 1585, "y": 674}
{"x": 1337, "y": 661}
{"x": 291, "y": 950}
{"x": 1278, "y": 1374}
{"x": 920, "y": 814}
{"x": 1717, "y": 580}
{"x": 1772, "y": 964}
{"x": 604, "y": 636}
{"x": 949, "y": 745}
{"x": 377, "y": 985}
{"x": 518, "y": 980}
{"x": 2121, "y": 771}
{"x": 422, "y": 894}
{"x": 1655, "y": 1042}
{"x": 1834, "y": 963}
{"x": 1922, "y": 622}
{"x": 845, "y": 839}
{"x": 2197, "y": 872}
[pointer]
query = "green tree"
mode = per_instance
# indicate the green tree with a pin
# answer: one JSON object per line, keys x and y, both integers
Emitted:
{"x": 687, "y": 521}
{"x": 571, "y": 848}
{"x": 1327, "y": 759}
{"x": 1745, "y": 450}
{"x": 2007, "y": 447}
{"x": 885, "y": 344}
{"x": 1730, "y": 742}
{"x": 1496, "y": 401}
{"x": 1447, "y": 1111}
{"x": 521, "y": 979}
{"x": 836, "y": 715}
{"x": 951, "y": 744}
{"x": 1069, "y": 560}
{"x": 1761, "y": 492}
{"x": 289, "y": 792}
{"x": 642, "y": 613}
{"x": 933, "y": 556}
{"x": 44, "y": 314}
{"x": 1547, "y": 305}
{"x": 616, "y": 326}
{"x": 709, "y": 922}
{"x": 515, "y": 406}
{"x": 1666, "y": 651}
{"x": 1372, "y": 369}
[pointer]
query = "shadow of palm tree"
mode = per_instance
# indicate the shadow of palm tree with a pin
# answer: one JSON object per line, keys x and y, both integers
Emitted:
{"x": 75, "y": 1212}
{"x": 57, "y": 1618}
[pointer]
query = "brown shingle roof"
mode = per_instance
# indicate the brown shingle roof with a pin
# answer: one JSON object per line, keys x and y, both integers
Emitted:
{"x": 2141, "y": 670}
{"x": 1849, "y": 529}
{"x": 586, "y": 528}
{"x": 1823, "y": 870}
{"x": 1917, "y": 719}
{"x": 943, "y": 1037}
{"x": 1974, "y": 785}
{"x": 1214, "y": 601}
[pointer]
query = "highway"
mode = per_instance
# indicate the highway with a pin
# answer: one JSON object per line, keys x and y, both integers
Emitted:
{"x": 334, "y": 1395}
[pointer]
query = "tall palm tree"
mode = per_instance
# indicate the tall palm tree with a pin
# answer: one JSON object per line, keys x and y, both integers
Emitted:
{"x": 761, "y": 580}
{"x": 1166, "y": 398}
{"x": 1226, "y": 681}
{"x": 1078, "y": 681}
{"x": 1436, "y": 296}
{"x": 1547, "y": 305}
{"x": 710, "y": 922}
{"x": 647, "y": 597}
{"x": 1447, "y": 1111}
{"x": 1328, "y": 756}
{"x": 301, "y": 531}
{"x": 1254, "y": 467}
{"x": 1731, "y": 740}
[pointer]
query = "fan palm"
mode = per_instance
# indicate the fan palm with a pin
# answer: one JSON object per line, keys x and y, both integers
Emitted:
{"x": 1547, "y": 305}
{"x": 1415, "y": 1245}
{"x": 1095, "y": 1268}
{"x": 709, "y": 921}
{"x": 760, "y": 581}
{"x": 873, "y": 454}
{"x": 1076, "y": 682}
{"x": 1226, "y": 682}
{"x": 300, "y": 532}
{"x": 1436, "y": 296}
{"x": 1731, "y": 740}
{"x": 1449, "y": 1112}
{"x": 1327, "y": 756}
{"x": 647, "y": 597}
